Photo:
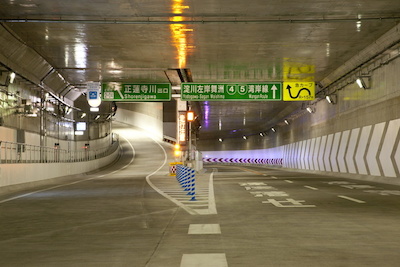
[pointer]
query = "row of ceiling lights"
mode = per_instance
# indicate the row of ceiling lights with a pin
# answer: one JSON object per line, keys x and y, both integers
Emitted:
{"x": 363, "y": 81}
{"x": 67, "y": 108}
{"x": 331, "y": 99}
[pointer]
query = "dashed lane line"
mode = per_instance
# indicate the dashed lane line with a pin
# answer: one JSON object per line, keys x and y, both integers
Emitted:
{"x": 310, "y": 187}
{"x": 352, "y": 199}
{"x": 204, "y": 260}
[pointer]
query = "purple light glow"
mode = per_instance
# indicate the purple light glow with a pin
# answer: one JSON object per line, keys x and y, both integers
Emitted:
{"x": 206, "y": 114}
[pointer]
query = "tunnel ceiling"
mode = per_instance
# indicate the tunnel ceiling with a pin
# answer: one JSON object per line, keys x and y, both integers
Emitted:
{"x": 217, "y": 40}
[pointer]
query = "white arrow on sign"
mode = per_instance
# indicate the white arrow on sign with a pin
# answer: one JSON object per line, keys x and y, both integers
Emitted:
{"x": 274, "y": 88}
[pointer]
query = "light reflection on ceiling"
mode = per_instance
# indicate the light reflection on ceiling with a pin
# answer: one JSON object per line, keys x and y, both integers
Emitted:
{"x": 179, "y": 32}
{"x": 80, "y": 55}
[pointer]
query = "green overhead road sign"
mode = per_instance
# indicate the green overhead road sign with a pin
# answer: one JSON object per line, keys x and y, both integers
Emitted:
{"x": 132, "y": 92}
{"x": 231, "y": 91}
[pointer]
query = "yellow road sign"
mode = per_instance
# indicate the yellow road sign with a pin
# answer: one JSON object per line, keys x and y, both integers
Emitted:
{"x": 298, "y": 91}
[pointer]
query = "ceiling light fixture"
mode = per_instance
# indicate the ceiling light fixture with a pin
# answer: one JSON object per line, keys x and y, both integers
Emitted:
{"x": 332, "y": 99}
{"x": 12, "y": 77}
{"x": 363, "y": 82}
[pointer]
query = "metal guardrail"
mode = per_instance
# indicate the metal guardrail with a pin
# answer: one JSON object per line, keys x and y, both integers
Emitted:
{"x": 11, "y": 152}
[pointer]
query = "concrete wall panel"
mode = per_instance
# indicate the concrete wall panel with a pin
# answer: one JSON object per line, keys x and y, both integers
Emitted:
{"x": 146, "y": 116}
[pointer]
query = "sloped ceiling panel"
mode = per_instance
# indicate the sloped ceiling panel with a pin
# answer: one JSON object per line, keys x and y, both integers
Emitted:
{"x": 27, "y": 63}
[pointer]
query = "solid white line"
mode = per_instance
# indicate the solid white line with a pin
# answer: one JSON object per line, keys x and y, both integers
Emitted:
{"x": 240, "y": 178}
{"x": 211, "y": 198}
{"x": 76, "y": 182}
{"x": 310, "y": 187}
{"x": 195, "y": 203}
{"x": 190, "y": 211}
{"x": 352, "y": 199}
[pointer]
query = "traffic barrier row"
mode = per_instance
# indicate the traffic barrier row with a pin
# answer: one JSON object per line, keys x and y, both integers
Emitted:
{"x": 186, "y": 178}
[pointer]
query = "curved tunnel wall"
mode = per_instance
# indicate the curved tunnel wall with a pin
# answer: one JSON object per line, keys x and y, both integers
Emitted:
{"x": 146, "y": 116}
{"x": 357, "y": 137}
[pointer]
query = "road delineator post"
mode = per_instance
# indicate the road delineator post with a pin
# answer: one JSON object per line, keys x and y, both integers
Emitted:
{"x": 186, "y": 178}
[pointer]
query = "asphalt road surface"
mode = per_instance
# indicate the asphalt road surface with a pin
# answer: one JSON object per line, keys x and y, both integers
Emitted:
{"x": 133, "y": 213}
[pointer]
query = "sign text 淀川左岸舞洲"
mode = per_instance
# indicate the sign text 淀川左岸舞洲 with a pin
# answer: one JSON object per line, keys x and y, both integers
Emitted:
{"x": 231, "y": 91}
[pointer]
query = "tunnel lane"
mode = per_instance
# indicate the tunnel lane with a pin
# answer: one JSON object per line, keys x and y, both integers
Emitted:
{"x": 262, "y": 217}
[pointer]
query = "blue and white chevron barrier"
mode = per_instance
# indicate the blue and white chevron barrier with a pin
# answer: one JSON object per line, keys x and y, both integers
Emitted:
{"x": 186, "y": 178}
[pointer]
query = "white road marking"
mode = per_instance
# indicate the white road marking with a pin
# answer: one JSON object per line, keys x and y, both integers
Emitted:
{"x": 310, "y": 187}
{"x": 189, "y": 210}
{"x": 211, "y": 199}
{"x": 239, "y": 178}
{"x": 288, "y": 181}
{"x": 352, "y": 199}
{"x": 212, "y": 208}
{"x": 204, "y": 260}
{"x": 288, "y": 203}
{"x": 204, "y": 229}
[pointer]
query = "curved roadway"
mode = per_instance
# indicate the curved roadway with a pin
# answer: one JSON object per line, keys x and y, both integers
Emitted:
{"x": 133, "y": 213}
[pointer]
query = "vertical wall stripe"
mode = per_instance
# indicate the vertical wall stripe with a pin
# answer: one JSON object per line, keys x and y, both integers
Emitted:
{"x": 322, "y": 153}
{"x": 374, "y": 147}
{"x": 307, "y": 155}
{"x": 316, "y": 153}
{"x": 292, "y": 148}
{"x": 351, "y": 151}
{"x": 327, "y": 155}
{"x": 297, "y": 158}
{"x": 302, "y": 150}
{"x": 342, "y": 151}
{"x": 385, "y": 156}
{"x": 311, "y": 154}
{"x": 362, "y": 147}
{"x": 285, "y": 156}
{"x": 303, "y": 153}
{"x": 334, "y": 152}
{"x": 292, "y": 160}
{"x": 397, "y": 157}
{"x": 293, "y": 164}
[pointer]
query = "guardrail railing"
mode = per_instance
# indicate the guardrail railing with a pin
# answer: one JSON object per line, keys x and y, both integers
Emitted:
{"x": 11, "y": 152}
